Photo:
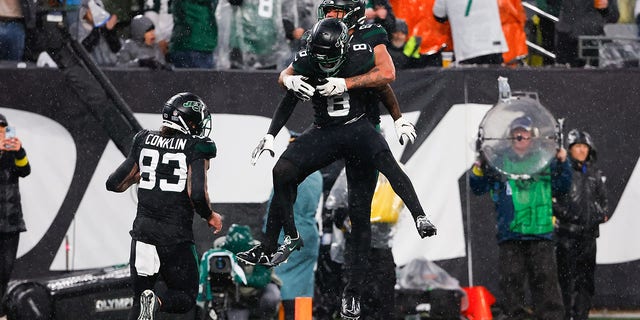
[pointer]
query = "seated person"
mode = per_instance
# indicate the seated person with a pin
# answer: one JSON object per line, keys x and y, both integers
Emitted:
{"x": 260, "y": 297}
{"x": 141, "y": 50}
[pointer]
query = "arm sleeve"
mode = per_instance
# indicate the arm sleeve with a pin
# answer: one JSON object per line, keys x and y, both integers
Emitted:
{"x": 602, "y": 199}
{"x": 479, "y": 183}
{"x": 390, "y": 102}
{"x": 111, "y": 36}
{"x": 282, "y": 113}
{"x": 199, "y": 196}
{"x": 117, "y": 180}
{"x": 560, "y": 177}
{"x": 23, "y": 168}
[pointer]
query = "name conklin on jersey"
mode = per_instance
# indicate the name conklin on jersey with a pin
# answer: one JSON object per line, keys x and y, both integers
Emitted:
{"x": 168, "y": 143}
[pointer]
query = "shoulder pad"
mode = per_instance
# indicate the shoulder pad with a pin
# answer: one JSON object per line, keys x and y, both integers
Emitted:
{"x": 206, "y": 148}
{"x": 373, "y": 34}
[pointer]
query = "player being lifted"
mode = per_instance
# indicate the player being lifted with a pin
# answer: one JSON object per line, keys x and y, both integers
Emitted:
{"x": 340, "y": 130}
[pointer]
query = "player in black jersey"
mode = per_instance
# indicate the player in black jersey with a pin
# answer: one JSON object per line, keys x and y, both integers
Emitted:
{"x": 170, "y": 167}
{"x": 340, "y": 131}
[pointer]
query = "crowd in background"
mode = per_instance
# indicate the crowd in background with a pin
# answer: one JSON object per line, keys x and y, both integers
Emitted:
{"x": 257, "y": 35}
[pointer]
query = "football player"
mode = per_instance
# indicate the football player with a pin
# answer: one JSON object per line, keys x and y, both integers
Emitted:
{"x": 170, "y": 167}
{"x": 340, "y": 130}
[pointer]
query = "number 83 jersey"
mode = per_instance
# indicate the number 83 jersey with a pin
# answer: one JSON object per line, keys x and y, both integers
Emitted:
{"x": 339, "y": 109}
{"x": 165, "y": 211}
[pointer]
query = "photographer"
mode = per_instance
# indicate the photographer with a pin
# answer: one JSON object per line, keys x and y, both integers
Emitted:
{"x": 13, "y": 165}
{"x": 260, "y": 297}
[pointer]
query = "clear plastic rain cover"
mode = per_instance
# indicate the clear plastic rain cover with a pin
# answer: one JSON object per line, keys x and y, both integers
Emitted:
{"x": 518, "y": 137}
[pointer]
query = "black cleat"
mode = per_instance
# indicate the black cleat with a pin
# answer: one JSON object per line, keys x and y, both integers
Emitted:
{"x": 425, "y": 227}
{"x": 149, "y": 305}
{"x": 255, "y": 256}
{"x": 350, "y": 309}
{"x": 282, "y": 254}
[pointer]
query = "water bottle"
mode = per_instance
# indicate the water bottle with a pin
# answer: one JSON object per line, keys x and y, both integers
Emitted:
{"x": 504, "y": 91}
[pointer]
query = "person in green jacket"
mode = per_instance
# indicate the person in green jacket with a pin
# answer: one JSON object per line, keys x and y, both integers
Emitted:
{"x": 195, "y": 33}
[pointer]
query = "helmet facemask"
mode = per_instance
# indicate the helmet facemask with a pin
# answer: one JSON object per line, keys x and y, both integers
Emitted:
{"x": 188, "y": 114}
{"x": 328, "y": 44}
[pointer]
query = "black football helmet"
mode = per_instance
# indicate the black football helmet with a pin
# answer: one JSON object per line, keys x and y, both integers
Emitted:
{"x": 576, "y": 136}
{"x": 187, "y": 113}
{"x": 328, "y": 43}
{"x": 353, "y": 10}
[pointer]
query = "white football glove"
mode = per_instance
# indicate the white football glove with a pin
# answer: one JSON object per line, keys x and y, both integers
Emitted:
{"x": 297, "y": 84}
{"x": 266, "y": 144}
{"x": 333, "y": 87}
{"x": 405, "y": 130}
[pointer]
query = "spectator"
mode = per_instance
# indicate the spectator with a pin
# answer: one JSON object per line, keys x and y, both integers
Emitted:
{"x": 547, "y": 27}
{"x": 405, "y": 50}
{"x": 298, "y": 18}
{"x": 195, "y": 34}
{"x": 257, "y": 39}
{"x": 421, "y": 23}
{"x": 13, "y": 165}
{"x": 170, "y": 169}
{"x": 380, "y": 12}
{"x": 526, "y": 250}
{"x": 297, "y": 274}
{"x": 160, "y": 14}
{"x": 96, "y": 31}
{"x": 141, "y": 50}
{"x": 579, "y": 215}
{"x": 16, "y": 16}
{"x": 578, "y": 19}
{"x": 513, "y": 19}
{"x": 477, "y": 33}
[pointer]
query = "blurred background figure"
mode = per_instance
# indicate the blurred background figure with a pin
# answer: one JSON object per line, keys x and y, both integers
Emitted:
{"x": 298, "y": 18}
{"x": 96, "y": 30}
{"x": 257, "y": 35}
{"x": 435, "y": 36}
{"x": 405, "y": 49}
{"x": 577, "y": 18}
{"x": 141, "y": 50}
{"x": 476, "y": 28}
{"x": 380, "y": 12}
{"x": 513, "y": 19}
{"x": 159, "y": 11}
{"x": 15, "y": 17}
{"x": 194, "y": 35}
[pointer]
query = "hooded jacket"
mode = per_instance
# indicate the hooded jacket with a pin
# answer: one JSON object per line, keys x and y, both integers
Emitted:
{"x": 13, "y": 164}
{"x": 586, "y": 206}
{"x": 135, "y": 49}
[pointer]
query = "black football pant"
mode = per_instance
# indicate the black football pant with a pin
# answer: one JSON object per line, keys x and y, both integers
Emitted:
{"x": 378, "y": 296}
{"x": 576, "y": 269}
{"x": 364, "y": 150}
{"x": 8, "y": 250}
{"x": 178, "y": 270}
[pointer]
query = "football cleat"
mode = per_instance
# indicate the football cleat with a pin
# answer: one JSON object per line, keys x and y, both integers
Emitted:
{"x": 425, "y": 227}
{"x": 255, "y": 256}
{"x": 350, "y": 309}
{"x": 149, "y": 305}
{"x": 282, "y": 254}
